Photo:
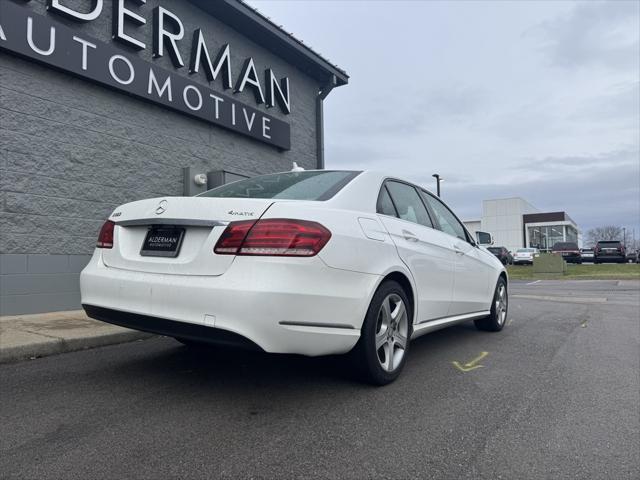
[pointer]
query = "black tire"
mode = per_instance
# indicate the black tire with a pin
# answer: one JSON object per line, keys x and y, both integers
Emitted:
{"x": 495, "y": 321}
{"x": 365, "y": 358}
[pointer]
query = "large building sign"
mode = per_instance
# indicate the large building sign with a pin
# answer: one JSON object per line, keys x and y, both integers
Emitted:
{"x": 44, "y": 39}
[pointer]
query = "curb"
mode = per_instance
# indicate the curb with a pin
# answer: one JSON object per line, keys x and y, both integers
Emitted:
{"x": 24, "y": 337}
{"x": 58, "y": 345}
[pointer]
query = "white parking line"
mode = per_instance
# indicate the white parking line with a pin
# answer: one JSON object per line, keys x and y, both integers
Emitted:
{"x": 533, "y": 283}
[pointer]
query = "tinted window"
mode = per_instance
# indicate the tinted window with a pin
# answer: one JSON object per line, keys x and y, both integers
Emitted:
{"x": 385, "y": 206}
{"x": 447, "y": 220}
{"x": 408, "y": 203}
{"x": 312, "y": 185}
{"x": 609, "y": 244}
{"x": 495, "y": 249}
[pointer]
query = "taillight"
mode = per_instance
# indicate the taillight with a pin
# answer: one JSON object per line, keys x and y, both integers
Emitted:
{"x": 105, "y": 237}
{"x": 231, "y": 239}
{"x": 273, "y": 237}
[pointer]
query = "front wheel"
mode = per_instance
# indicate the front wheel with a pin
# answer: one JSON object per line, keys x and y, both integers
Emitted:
{"x": 499, "y": 307}
{"x": 381, "y": 352}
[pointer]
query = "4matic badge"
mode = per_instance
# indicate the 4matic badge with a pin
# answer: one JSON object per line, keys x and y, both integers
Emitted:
{"x": 241, "y": 214}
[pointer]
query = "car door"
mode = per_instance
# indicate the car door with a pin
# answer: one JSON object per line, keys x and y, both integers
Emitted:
{"x": 471, "y": 291}
{"x": 431, "y": 262}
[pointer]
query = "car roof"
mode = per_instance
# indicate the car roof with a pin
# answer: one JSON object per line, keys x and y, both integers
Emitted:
{"x": 357, "y": 195}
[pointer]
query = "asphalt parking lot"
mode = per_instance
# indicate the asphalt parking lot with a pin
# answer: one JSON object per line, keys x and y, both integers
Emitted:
{"x": 555, "y": 395}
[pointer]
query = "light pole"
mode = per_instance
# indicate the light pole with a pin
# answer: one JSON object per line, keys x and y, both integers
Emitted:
{"x": 438, "y": 180}
{"x": 624, "y": 236}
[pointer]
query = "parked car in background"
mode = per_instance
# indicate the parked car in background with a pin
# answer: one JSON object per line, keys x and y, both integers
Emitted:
{"x": 586, "y": 254}
{"x": 525, "y": 256}
{"x": 632, "y": 256}
{"x": 569, "y": 251}
{"x": 609, "y": 251}
{"x": 501, "y": 254}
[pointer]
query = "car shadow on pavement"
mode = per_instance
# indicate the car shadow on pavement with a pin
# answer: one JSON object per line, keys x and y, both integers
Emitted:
{"x": 201, "y": 367}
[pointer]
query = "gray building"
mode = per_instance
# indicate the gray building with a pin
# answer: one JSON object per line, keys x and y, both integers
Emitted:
{"x": 108, "y": 101}
{"x": 515, "y": 223}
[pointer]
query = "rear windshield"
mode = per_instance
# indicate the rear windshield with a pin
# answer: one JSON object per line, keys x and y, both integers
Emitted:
{"x": 565, "y": 246}
{"x": 609, "y": 244}
{"x": 312, "y": 185}
{"x": 525, "y": 250}
{"x": 495, "y": 249}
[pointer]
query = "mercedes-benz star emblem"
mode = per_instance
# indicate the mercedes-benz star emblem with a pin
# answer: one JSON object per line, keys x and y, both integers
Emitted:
{"x": 162, "y": 206}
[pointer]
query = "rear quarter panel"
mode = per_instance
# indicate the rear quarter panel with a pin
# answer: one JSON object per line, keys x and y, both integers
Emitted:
{"x": 349, "y": 248}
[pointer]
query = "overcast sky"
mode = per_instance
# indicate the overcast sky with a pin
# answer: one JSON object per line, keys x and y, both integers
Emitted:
{"x": 535, "y": 99}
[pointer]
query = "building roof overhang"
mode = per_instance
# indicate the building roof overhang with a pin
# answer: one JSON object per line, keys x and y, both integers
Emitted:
{"x": 258, "y": 28}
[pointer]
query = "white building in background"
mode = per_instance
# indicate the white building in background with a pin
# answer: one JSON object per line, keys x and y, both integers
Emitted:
{"x": 515, "y": 223}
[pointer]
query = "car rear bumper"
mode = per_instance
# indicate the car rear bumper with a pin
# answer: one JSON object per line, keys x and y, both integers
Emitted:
{"x": 282, "y": 305}
{"x": 610, "y": 258}
{"x": 522, "y": 261}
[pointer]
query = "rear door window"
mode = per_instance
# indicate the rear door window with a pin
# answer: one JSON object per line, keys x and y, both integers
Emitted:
{"x": 446, "y": 219}
{"x": 408, "y": 204}
{"x": 385, "y": 205}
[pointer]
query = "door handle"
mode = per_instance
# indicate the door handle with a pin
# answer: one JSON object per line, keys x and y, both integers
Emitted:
{"x": 409, "y": 236}
{"x": 458, "y": 250}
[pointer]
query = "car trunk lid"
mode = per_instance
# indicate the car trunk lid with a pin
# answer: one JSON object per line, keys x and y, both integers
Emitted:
{"x": 198, "y": 221}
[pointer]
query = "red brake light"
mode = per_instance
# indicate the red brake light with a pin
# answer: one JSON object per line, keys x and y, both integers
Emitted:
{"x": 231, "y": 239}
{"x": 273, "y": 237}
{"x": 105, "y": 237}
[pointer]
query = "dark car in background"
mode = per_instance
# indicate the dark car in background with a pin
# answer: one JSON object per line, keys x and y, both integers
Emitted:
{"x": 502, "y": 254}
{"x": 609, "y": 251}
{"x": 569, "y": 251}
{"x": 587, "y": 254}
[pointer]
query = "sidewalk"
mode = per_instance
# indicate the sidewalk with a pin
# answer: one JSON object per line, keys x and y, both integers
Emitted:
{"x": 29, "y": 336}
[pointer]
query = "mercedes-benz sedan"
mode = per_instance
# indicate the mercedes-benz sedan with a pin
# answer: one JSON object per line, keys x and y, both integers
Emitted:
{"x": 311, "y": 262}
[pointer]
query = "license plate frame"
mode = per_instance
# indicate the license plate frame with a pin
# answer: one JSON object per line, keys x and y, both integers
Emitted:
{"x": 169, "y": 248}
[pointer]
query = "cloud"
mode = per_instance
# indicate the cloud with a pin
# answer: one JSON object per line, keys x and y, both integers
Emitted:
{"x": 593, "y": 34}
{"x": 619, "y": 103}
{"x": 551, "y": 114}
{"x": 593, "y": 190}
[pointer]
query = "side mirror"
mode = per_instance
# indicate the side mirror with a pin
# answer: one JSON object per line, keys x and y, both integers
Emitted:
{"x": 484, "y": 238}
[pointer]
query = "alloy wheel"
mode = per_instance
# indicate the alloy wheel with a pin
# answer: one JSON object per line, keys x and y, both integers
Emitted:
{"x": 501, "y": 304}
{"x": 392, "y": 328}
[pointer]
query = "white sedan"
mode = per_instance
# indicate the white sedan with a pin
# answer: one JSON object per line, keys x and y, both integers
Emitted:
{"x": 525, "y": 255}
{"x": 314, "y": 262}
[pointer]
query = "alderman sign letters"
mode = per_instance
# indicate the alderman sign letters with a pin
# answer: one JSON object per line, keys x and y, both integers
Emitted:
{"x": 47, "y": 40}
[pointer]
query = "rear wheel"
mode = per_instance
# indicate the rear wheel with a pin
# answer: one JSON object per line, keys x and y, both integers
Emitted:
{"x": 381, "y": 352}
{"x": 499, "y": 308}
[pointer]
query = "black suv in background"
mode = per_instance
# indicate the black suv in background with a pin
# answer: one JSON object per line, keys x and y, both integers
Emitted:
{"x": 502, "y": 254}
{"x": 569, "y": 251}
{"x": 609, "y": 251}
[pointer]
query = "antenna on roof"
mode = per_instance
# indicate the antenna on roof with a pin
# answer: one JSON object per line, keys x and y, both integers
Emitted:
{"x": 296, "y": 168}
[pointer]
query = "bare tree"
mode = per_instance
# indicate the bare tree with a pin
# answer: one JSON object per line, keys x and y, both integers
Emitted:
{"x": 607, "y": 232}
